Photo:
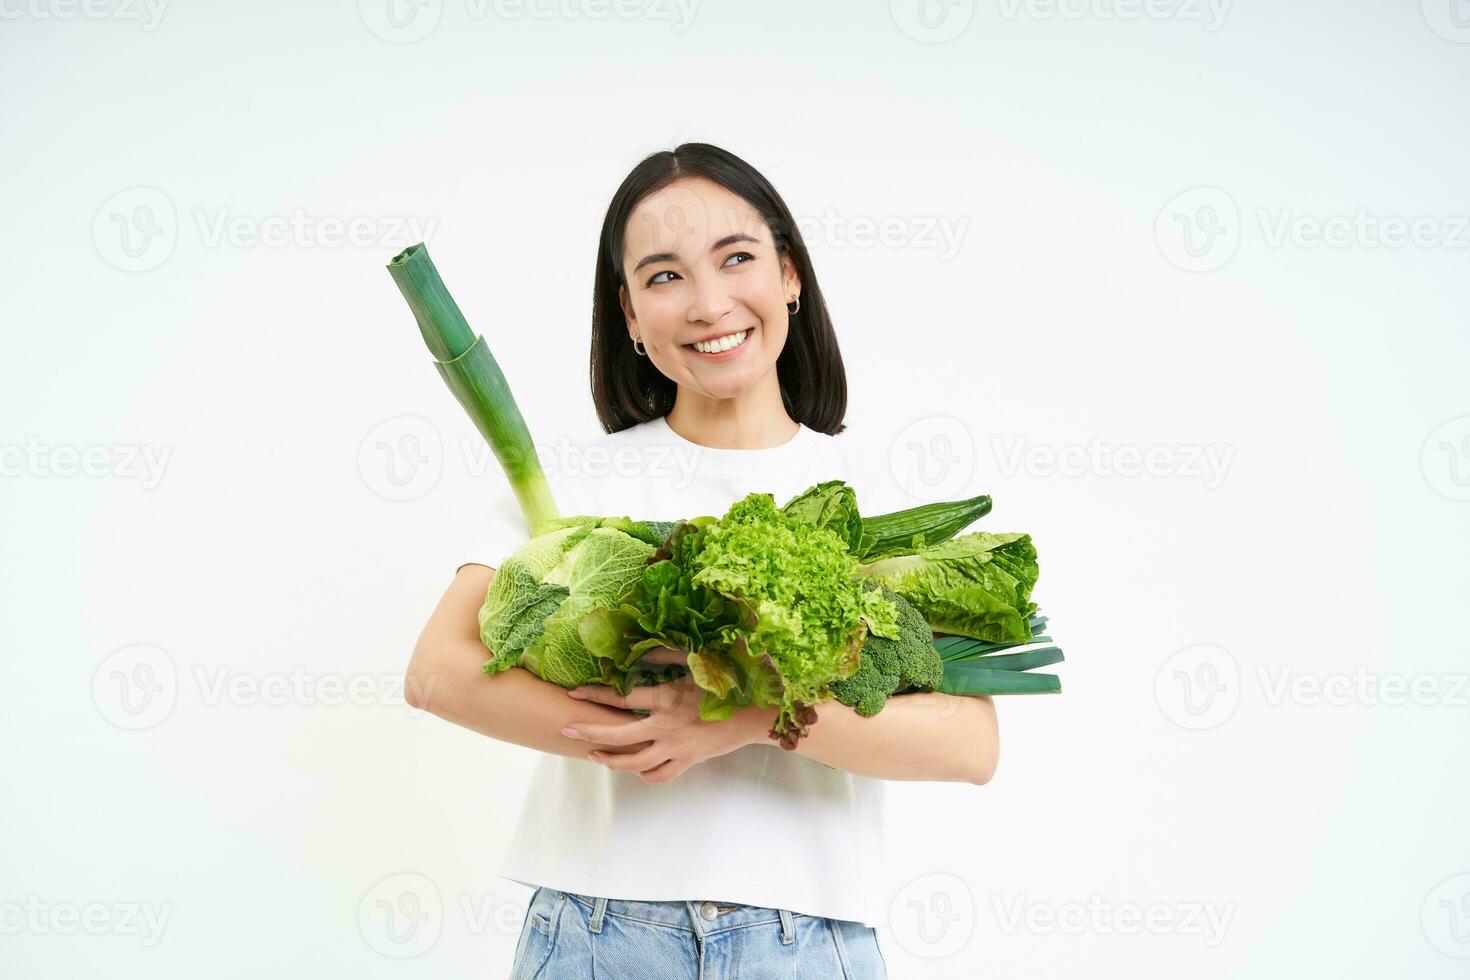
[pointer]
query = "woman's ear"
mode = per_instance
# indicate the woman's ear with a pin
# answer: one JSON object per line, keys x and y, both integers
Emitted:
{"x": 790, "y": 278}
{"x": 627, "y": 306}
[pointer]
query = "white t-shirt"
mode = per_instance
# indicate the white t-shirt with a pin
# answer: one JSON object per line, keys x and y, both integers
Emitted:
{"x": 757, "y": 826}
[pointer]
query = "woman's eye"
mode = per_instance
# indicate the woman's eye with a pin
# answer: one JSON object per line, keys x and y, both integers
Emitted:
{"x": 654, "y": 279}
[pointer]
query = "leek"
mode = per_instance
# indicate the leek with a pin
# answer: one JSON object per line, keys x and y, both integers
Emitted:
{"x": 465, "y": 363}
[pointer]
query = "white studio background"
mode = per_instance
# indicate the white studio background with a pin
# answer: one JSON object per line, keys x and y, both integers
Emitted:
{"x": 1182, "y": 284}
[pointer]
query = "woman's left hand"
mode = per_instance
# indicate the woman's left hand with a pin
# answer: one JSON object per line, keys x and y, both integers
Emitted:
{"x": 677, "y": 737}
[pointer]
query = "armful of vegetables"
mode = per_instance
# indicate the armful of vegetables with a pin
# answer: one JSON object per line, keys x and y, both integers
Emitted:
{"x": 779, "y": 607}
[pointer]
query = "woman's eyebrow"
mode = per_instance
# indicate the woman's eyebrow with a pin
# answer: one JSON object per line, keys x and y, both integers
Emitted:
{"x": 671, "y": 257}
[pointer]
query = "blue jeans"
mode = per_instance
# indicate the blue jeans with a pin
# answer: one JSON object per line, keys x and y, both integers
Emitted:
{"x": 564, "y": 934}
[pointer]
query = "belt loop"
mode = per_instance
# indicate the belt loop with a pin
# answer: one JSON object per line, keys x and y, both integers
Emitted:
{"x": 599, "y": 907}
{"x": 788, "y": 934}
{"x": 696, "y": 923}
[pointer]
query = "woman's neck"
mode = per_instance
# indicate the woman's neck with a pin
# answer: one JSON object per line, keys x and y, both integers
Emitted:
{"x": 732, "y": 423}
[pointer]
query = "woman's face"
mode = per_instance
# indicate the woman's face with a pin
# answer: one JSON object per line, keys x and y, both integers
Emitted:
{"x": 700, "y": 265}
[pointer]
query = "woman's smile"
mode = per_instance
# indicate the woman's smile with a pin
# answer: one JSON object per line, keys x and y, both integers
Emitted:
{"x": 721, "y": 348}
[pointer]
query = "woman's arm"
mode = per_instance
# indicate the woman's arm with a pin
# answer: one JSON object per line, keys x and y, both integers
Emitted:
{"x": 514, "y": 705}
{"x": 919, "y": 736}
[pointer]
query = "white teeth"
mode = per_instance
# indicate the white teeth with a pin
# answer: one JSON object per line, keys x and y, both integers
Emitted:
{"x": 722, "y": 343}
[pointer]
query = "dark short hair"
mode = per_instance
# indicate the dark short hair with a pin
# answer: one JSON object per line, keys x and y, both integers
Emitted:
{"x": 626, "y": 388}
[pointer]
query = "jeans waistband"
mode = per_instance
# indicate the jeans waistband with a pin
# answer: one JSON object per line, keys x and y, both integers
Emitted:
{"x": 702, "y": 917}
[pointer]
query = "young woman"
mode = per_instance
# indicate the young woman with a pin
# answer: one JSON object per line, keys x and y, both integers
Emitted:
{"x": 658, "y": 844}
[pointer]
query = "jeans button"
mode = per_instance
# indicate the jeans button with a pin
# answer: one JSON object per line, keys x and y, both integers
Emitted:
{"x": 709, "y": 911}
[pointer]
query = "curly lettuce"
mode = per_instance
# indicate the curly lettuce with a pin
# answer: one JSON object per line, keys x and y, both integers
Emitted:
{"x": 769, "y": 607}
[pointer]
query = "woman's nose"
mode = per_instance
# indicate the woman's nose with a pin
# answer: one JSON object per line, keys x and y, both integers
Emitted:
{"x": 711, "y": 300}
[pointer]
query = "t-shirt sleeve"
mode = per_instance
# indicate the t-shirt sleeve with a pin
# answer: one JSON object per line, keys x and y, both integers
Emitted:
{"x": 497, "y": 532}
{"x": 869, "y": 475}
{"x": 499, "y": 529}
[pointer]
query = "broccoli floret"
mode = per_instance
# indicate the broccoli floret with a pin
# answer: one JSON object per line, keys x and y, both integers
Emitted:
{"x": 887, "y": 667}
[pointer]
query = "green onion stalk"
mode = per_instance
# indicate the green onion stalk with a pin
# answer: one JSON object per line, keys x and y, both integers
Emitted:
{"x": 464, "y": 361}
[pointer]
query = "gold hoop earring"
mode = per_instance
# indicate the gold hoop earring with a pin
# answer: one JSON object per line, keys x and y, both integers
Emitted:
{"x": 640, "y": 351}
{"x": 790, "y": 311}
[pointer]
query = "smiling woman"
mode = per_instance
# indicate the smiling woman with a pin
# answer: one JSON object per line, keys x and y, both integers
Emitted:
{"x": 723, "y": 304}
{"x": 710, "y": 340}
{"x": 706, "y": 308}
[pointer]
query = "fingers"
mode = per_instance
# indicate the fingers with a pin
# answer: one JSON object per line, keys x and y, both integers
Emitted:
{"x": 670, "y": 707}
{"x": 603, "y": 748}
{"x": 663, "y": 773}
{"x": 664, "y": 696}
{"x": 648, "y": 758}
{"x": 637, "y": 698}
{"x": 626, "y": 733}
{"x": 664, "y": 655}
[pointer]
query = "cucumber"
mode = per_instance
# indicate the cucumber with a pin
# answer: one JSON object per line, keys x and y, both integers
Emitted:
{"x": 906, "y": 530}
